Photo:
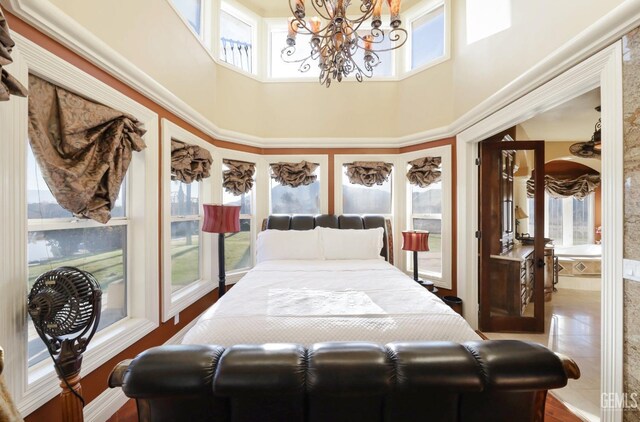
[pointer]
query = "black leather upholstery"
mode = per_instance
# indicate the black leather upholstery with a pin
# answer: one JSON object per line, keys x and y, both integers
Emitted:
{"x": 351, "y": 222}
{"x": 327, "y": 220}
{"x": 309, "y": 222}
{"x": 302, "y": 222}
{"x": 413, "y": 381}
{"x": 279, "y": 222}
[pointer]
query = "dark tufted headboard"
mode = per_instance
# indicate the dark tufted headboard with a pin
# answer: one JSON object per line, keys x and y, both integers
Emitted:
{"x": 310, "y": 222}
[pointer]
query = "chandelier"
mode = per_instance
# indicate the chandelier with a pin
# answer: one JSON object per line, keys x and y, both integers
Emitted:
{"x": 336, "y": 37}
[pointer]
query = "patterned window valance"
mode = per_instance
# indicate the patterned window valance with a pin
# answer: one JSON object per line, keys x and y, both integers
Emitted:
{"x": 8, "y": 84}
{"x": 294, "y": 174}
{"x": 238, "y": 179}
{"x": 83, "y": 148}
{"x": 425, "y": 171}
{"x": 189, "y": 163}
{"x": 579, "y": 187}
{"x": 368, "y": 173}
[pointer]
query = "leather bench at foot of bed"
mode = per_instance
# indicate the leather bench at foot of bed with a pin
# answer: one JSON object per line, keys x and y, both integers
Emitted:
{"x": 497, "y": 380}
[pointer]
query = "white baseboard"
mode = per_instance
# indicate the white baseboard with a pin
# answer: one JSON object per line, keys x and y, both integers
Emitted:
{"x": 111, "y": 400}
{"x": 105, "y": 405}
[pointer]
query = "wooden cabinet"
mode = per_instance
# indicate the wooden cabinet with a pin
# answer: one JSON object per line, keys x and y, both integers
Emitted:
{"x": 512, "y": 282}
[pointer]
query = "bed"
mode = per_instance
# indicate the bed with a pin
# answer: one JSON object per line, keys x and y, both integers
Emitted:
{"x": 311, "y": 301}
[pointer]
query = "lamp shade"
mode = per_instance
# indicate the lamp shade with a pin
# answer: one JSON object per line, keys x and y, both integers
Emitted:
{"x": 415, "y": 241}
{"x": 520, "y": 214}
{"x": 221, "y": 218}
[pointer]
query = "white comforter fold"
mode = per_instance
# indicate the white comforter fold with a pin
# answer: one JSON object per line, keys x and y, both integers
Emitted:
{"x": 307, "y": 302}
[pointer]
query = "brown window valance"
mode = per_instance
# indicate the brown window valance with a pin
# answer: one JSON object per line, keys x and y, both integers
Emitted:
{"x": 83, "y": 148}
{"x": 578, "y": 187}
{"x": 368, "y": 173}
{"x": 189, "y": 163}
{"x": 8, "y": 84}
{"x": 425, "y": 171}
{"x": 294, "y": 174}
{"x": 238, "y": 179}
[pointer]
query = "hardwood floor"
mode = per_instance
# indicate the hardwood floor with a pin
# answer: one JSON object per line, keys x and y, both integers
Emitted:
{"x": 573, "y": 328}
{"x": 555, "y": 411}
{"x": 127, "y": 413}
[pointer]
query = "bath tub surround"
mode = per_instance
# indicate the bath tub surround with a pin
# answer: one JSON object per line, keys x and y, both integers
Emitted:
{"x": 579, "y": 260}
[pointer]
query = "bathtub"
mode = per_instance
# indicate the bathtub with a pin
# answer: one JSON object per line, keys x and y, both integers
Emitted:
{"x": 579, "y": 260}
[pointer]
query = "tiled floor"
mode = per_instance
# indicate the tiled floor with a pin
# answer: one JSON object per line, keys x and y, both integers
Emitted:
{"x": 572, "y": 321}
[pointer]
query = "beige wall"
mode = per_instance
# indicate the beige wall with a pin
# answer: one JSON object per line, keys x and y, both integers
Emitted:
{"x": 150, "y": 34}
{"x": 161, "y": 46}
{"x": 537, "y": 29}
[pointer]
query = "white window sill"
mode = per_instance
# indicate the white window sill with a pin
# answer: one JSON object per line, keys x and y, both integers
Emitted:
{"x": 233, "y": 278}
{"x": 186, "y": 296}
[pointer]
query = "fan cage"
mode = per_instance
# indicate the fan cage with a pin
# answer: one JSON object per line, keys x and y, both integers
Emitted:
{"x": 63, "y": 301}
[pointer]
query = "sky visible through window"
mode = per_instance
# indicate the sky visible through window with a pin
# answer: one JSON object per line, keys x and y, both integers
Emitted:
{"x": 191, "y": 10}
{"x": 427, "y": 42}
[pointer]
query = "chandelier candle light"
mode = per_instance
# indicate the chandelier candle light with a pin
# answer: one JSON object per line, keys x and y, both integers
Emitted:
{"x": 336, "y": 37}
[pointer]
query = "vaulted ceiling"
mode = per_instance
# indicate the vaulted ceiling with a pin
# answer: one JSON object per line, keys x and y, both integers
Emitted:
{"x": 278, "y": 8}
{"x": 572, "y": 121}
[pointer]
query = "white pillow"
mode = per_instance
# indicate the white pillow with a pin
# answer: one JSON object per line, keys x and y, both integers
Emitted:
{"x": 351, "y": 244}
{"x": 288, "y": 244}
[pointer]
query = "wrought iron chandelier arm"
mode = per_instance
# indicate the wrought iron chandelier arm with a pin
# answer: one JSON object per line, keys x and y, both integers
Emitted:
{"x": 395, "y": 35}
{"x": 301, "y": 26}
{"x": 335, "y": 37}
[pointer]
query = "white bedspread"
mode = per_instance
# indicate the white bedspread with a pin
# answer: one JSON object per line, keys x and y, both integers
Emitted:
{"x": 307, "y": 302}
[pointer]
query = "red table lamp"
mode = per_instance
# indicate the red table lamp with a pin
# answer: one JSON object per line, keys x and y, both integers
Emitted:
{"x": 415, "y": 241}
{"x": 221, "y": 219}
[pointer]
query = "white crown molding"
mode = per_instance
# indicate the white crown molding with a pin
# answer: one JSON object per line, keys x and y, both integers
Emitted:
{"x": 56, "y": 24}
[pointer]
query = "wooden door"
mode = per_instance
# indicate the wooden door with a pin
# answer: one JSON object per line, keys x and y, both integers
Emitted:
{"x": 511, "y": 272}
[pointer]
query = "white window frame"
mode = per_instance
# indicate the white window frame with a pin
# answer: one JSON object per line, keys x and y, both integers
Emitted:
{"x": 280, "y": 24}
{"x": 204, "y": 36}
{"x": 261, "y": 40}
{"x": 397, "y": 192}
{"x": 444, "y": 279}
{"x": 323, "y": 160}
{"x": 235, "y": 275}
{"x": 567, "y": 219}
{"x": 174, "y": 302}
{"x": 341, "y": 160}
{"x": 243, "y": 14}
{"x": 412, "y": 16}
{"x": 33, "y": 388}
